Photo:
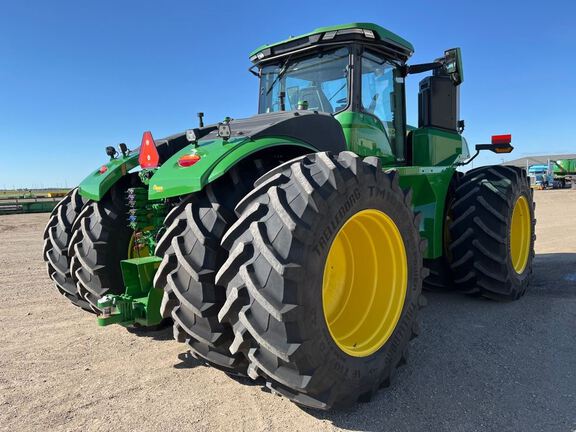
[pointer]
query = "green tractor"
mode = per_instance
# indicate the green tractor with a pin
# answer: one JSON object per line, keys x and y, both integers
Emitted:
{"x": 292, "y": 246}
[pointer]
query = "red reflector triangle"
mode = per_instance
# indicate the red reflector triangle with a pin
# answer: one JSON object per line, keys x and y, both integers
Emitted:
{"x": 149, "y": 157}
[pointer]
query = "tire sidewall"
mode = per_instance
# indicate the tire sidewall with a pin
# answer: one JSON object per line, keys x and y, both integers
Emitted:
{"x": 338, "y": 366}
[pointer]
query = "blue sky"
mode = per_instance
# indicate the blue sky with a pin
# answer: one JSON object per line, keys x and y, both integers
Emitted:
{"x": 78, "y": 76}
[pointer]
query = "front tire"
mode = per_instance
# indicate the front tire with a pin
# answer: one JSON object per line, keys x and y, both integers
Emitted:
{"x": 324, "y": 279}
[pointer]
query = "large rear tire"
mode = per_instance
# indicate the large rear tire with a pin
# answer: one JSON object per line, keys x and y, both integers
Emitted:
{"x": 493, "y": 233}
{"x": 191, "y": 256}
{"x": 101, "y": 240}
{"x": 324, "y": 279}
{"x": 57, "y": 238}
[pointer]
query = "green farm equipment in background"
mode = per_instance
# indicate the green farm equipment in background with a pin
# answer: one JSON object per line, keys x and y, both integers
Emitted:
{"x": 292, "y": 246}
{"x": 29, "y": 201}
{"x": 564, "y": 173}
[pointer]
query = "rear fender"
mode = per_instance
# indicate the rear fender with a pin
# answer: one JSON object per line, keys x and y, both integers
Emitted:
{"x": 98, "y": 182}
{"x": 304, "y": 131}
{"x": 216, "y": 158}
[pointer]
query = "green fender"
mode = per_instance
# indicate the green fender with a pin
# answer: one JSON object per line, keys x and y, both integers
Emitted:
{"x": 170, "y": 179}
{"x": 98, "y": 183}
{"x": 216, "y": 158}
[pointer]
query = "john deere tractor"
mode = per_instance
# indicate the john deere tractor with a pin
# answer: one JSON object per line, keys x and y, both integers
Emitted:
{"x": 292, "y": 246}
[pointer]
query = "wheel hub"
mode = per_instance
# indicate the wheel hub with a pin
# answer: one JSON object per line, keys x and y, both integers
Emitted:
{"x": 364, "y": 283}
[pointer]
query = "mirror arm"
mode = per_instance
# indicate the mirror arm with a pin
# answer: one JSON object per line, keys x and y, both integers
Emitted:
{"x": 423, "y": 67}
{"x": 469, "y": 160}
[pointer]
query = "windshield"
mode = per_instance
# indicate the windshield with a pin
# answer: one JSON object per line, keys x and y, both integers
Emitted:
{"x": 318, "y": 82}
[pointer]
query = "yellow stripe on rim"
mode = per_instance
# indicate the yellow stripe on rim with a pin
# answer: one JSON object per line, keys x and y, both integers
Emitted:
{"x": 364, "y": 283}
{"x": 520, "y": 234}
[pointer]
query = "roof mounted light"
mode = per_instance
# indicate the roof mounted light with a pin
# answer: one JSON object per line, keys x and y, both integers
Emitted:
{"x": 351, "y": 31}
{"x": 369, "y": 34}
{"x": 329, "y": 35}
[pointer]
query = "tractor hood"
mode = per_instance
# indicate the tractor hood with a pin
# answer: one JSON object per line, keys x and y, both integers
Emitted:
{"x": 213, "y": 155}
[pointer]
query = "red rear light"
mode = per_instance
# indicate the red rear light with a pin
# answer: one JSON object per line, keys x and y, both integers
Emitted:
{"x": 149, "y": 157}
{"x": 103, "y": 169}
{"x": 188, "y": 160}
{"x": 501, "y": 139}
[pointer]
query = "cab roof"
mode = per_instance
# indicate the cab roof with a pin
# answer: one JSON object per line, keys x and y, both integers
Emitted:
{"x": 363, "y": 32}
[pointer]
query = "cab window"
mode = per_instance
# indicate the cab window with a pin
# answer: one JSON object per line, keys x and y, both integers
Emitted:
{"x": 318, "y": 82}
{"x": 382, "y": 96}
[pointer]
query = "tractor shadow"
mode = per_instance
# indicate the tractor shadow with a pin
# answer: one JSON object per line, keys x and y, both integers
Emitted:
{"x": 161, "y": 332}
{"x": 485, "y": 365}
{"x": 187, "y": 361}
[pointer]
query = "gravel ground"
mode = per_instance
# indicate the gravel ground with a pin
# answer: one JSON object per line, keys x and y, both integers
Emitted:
{"x": 478, "y": 365}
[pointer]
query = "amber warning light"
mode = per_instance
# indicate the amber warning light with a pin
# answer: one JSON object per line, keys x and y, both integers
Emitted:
{"x": 149, "y": 157}
{"x": 502, "y": 143}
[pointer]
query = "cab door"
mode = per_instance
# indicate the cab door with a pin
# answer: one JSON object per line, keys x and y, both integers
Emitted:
{"x": 376, "y": 126}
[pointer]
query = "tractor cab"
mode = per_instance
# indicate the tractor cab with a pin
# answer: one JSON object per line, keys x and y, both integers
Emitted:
{"x": 357, "y": 73}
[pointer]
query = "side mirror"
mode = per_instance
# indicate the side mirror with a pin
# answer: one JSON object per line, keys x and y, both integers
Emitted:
{"x": 500, "y": 144}
{"x": 453, "y": 65}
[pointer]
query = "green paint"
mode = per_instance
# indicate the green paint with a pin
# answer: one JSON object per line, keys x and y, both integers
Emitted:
{"x": 437, "y": 147}
{"x": 216, "y": 157}
{"x": 429, "y": 188}
{"x": 366, "y": 136}
{"x": 140, "y": 303}
{"x": 383, "y": 34}
{"x": 18, "y": 206}
{"x": 564, "y": 166}
{"x": 97, "y": 184}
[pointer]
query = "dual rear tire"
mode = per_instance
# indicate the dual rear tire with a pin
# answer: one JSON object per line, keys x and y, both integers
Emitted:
{"x": 493, "y": 233}
{"x": 321, "y": 245}
{"x": 57, "y": 239}
{"x": 84, "y": 243}
{"x": 323, "y": 279}
{"x": 489, "y": 248}
{"x": 191, "y": 255}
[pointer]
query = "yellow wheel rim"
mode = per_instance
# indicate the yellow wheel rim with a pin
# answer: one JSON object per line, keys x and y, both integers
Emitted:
{"x": 520, "y": 234}
{"x": 364, "y": 283}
